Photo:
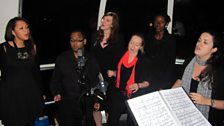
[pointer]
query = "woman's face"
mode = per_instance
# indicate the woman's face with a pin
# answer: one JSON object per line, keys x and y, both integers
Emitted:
{"x": 204, "y": 47}
{"x": 159, "y": 24}
{"x": 21, "y": 31}
{"x": 135, "y": 44}
{"x": 106, "y": 23}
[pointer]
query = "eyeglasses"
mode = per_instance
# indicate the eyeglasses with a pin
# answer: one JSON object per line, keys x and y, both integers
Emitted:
{"x": 76, "y": 40}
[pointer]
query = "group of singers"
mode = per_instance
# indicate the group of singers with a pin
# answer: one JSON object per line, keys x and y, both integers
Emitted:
{"x": 146, "y": 65}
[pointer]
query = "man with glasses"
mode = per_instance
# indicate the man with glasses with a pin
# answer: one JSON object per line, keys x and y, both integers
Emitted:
{"x": 68, "y": 86}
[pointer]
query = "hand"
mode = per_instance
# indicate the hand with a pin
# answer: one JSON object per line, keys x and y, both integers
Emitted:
{"x": 134, "y": 87}
{"x": 111, "y": 73}
{"x": 199, "y": 99}
{"x": 44, "y": 97}
{"x": 57, "y": 98}
{"x": 97, "y": 106}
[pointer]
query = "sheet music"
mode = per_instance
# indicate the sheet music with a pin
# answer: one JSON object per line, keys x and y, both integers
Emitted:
{"x": 150, "y": 110}
{"x": 184, "y": 108}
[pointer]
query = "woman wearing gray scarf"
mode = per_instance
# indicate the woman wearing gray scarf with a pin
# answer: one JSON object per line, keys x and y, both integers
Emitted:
{"x": 202, "y": 77}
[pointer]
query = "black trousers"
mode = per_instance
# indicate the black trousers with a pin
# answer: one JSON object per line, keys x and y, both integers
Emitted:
{"x": 72, "y": 113}
{"x": 116, "y": 107}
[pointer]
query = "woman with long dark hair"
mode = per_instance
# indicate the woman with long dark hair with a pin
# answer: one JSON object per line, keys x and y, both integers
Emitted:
{"x": 21, "y": 98}
{"x": 202, "y": 77}
{"x": 108, "y": 46}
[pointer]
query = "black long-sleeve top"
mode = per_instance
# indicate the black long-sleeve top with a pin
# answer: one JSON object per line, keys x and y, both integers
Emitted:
{"x": 109, "y": 56}
{"x": 65, "y": 77}
{"x": 162, "y": 56}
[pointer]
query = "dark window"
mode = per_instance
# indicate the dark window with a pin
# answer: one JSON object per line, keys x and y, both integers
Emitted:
{"x": 52, "y": 21}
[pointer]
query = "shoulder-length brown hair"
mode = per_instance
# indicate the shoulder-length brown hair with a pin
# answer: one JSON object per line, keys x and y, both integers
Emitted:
{"x": 10, "y": 37}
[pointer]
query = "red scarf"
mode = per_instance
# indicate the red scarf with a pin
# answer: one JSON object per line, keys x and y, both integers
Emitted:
{"x": 124, "y": 61}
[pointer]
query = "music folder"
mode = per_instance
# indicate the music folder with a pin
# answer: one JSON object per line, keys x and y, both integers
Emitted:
{"x": 170, "y": 107}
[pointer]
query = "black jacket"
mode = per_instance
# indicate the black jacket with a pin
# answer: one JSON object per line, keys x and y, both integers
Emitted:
{"x": 65, "y": 77}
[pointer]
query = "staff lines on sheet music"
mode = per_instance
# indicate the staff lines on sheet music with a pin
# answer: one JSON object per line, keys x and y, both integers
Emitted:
{"x": 158, "y": 114}
{"x": 166, "y": 108}
{"x": 182, "y": 108}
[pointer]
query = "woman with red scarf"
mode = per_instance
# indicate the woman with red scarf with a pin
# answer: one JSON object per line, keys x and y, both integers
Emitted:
{"x": 132, "y": 79}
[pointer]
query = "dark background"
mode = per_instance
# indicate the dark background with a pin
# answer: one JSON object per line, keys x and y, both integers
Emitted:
{"x": 52, "y": 20}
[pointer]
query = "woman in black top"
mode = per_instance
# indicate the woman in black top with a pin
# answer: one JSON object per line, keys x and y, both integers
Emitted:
{"x": 132, "y": 78}
{"x": 21, "y": 98}
{"x": 108, "y": 44}
{"x": 160, "y": 47}
{"x": 107, "y": 47}
{"x": 203, "y": 79}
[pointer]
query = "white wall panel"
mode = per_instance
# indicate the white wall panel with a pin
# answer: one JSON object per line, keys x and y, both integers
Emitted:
{"x": 8, "y": 10}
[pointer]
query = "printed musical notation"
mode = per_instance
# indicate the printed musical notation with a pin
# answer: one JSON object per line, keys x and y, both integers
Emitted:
{"x": 171, "y": 107}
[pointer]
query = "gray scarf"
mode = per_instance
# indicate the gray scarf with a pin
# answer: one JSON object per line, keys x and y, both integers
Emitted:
{"x": 203, "y": 87}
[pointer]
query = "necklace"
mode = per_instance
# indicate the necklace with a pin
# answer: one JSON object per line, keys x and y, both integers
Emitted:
{"x": 21, "y": 55}
{"x": 200, "y": 62}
